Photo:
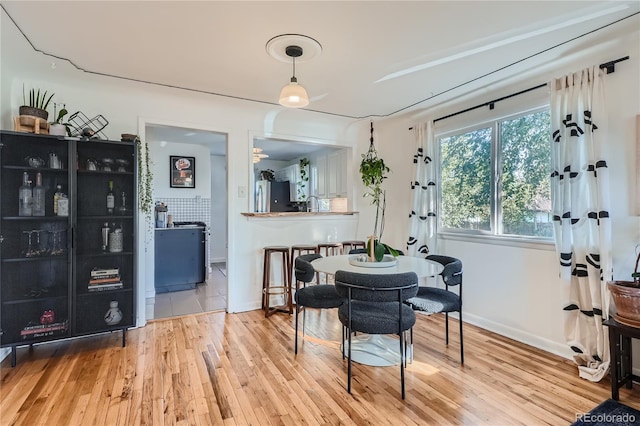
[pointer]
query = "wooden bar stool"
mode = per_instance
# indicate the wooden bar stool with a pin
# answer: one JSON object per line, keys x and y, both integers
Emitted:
{"x": 301, "y": 249}
{"x": 284, "y": 289}
{"x": 347, "y": 246}
{"x": 330, "y": 249}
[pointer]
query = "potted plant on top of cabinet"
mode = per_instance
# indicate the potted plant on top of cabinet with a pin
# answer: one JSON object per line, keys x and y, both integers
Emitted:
{"x": 58, "y": 127}
{"x": 37, "y": 104}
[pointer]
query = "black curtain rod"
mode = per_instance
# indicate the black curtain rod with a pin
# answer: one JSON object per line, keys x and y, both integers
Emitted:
{"x": 609, "y": 66}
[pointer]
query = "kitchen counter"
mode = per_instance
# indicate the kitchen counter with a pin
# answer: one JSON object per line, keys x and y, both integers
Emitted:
{"x": 181, "y": 227}
{"x": 298, "y": 214}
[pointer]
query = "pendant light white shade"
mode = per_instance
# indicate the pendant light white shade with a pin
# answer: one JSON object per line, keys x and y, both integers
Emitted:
{"x": 258, "y": 155}
{"x": 293, "y": 95}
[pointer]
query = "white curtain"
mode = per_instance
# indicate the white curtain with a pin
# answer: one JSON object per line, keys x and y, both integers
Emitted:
{"x": 423, "y": 219}
{"x": 580, "y": 204}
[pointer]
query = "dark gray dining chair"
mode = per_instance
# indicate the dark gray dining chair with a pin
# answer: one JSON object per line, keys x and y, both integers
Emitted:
{"x": 319, "y": 296}
{"x": 375, "y": 305}
{"x": 443, "y": 300}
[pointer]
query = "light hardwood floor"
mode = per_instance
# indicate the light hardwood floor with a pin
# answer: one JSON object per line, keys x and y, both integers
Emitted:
{"x": 239, "y": 369}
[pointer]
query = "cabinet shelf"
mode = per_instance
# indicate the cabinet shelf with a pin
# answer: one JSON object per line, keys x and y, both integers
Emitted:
{"x": 32, "y": 300}
{"x": 36, "y": 218}
{"x": 100, "y": 172}
{"x": 106, "y": 254}
{"x": 109, "y": 218}
{"x": 35, "y": 169}
{"x": 34, "y": 258}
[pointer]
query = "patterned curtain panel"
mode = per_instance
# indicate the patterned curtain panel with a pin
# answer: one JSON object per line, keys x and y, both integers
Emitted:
{"x": 423, "y": 218}
{"x": 580, "y": 204}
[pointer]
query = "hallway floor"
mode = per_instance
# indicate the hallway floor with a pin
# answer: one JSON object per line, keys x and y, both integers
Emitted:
{"x": 208, "y": 296}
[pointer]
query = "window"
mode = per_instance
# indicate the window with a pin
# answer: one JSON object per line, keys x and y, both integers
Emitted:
{"x": 495, "y": 177}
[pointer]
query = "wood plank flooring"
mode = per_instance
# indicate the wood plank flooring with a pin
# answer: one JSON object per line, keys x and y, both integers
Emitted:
{"x": 240, "y": 369}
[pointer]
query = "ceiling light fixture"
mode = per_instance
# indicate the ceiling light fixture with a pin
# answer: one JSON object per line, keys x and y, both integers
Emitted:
{"x": 258, "y": 155}
{"x": 294, "y": 95}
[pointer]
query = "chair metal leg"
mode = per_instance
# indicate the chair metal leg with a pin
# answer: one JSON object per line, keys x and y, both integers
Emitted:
{"x": 461, "y": 346}
{"x": 446, "y": 326}
{"x": 349, "y": 365}
{"x": 402, "y": 361}
{"x": 297, "y": 311}
{"x": 304, "y": 317}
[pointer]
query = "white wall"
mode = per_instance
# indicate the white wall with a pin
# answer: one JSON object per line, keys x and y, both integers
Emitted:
{"x": 160, "y": 153}
{"x": 218, "y": 238}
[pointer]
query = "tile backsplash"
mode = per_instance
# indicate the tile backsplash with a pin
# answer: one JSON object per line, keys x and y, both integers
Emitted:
{"x": 196, "y": 209}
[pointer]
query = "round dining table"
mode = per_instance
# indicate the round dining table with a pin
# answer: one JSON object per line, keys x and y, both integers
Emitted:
{"x": 376, "y": 349}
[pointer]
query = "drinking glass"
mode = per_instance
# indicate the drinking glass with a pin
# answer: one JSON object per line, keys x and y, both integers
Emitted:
{"x": 57, "y": 242}
{"x": 28, "y": 252}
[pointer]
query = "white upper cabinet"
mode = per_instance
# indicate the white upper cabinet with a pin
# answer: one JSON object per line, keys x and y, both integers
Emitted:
{"x": 331, "y": 175}
{"x": 320, "y": 183}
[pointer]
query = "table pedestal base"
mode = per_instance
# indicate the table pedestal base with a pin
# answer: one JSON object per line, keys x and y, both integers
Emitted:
{"x": 376, "y": 350}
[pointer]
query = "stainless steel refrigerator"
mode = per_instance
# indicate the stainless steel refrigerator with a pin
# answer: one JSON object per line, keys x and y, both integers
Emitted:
{"x": 271, "y": 196}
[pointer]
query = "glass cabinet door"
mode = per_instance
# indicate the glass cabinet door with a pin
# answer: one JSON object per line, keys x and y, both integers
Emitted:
{"x": 35, "y": 255}
{"x": 104, "y": 241}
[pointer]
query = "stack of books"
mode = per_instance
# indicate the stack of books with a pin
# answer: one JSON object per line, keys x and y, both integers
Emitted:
{"x": 44, "y": 330}
{"x": 104, "y": 279}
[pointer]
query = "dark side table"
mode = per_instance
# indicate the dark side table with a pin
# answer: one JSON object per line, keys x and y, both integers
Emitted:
{"x": 620, "y": 336}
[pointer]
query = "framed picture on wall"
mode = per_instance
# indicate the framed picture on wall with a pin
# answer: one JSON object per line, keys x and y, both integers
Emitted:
{"x": 183, "y": 171}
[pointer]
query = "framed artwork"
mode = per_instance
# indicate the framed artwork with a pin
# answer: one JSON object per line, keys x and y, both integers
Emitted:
{"x": 182, "y": 171}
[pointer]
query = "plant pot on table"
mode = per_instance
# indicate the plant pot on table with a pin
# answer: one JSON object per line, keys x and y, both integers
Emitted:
{"x": 626, "y": 298}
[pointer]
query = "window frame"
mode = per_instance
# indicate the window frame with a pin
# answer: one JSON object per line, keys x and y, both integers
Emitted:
{"x": 494, "y": 236}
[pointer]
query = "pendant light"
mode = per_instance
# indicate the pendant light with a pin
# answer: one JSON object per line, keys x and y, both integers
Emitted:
{"x": 294, "y": 95}
{"x": 258, "y": 155}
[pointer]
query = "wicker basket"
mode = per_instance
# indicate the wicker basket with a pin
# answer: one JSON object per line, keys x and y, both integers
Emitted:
{"x": 626, "y": 298}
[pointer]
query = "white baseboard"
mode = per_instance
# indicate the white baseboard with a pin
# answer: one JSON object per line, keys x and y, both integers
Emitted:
{"x": 218, "y": 260}
{"x": 244, "y": 307}
{"x": 524, "y": 337}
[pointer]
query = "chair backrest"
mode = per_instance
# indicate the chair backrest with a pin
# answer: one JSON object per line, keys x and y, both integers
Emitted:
{"x": 452, "y": 273}
{"x": 376, "y": 287}
{"x": 304, "y": 270}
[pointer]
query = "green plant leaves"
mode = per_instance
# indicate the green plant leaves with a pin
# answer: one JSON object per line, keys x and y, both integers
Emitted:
{"x": 373, "y": 171}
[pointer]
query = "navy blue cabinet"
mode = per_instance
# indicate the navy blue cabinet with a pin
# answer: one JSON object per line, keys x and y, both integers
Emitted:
{"x": 179, "y": 258}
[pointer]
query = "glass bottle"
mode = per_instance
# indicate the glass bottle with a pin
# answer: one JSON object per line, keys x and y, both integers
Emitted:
{"x": 25, "y": 197}
{"x": 111, "y": 199}
{"x": 38, "y": 197}
{"x": 122, "y": 209}
{"x": 56, "y": 197}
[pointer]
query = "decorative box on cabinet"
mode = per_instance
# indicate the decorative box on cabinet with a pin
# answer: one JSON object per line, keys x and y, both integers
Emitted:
{"x": 47, "y": 289}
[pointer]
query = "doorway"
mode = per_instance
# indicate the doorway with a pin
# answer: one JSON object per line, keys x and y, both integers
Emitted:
{"x": 205, "y": 203}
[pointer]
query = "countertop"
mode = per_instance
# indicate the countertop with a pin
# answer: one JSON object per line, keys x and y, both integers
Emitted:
{"x": 180, "y": 227}
{"x": 298, "y": 214}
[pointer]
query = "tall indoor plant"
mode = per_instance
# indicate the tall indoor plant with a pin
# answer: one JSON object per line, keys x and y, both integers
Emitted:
{"x": 373, "y": 172}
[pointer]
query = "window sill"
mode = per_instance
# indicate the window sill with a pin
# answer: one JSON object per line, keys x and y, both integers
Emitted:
{"x": 522, "y": 242}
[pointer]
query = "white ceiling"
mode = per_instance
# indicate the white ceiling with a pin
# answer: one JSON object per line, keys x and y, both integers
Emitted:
{"x": 378, "y": 58}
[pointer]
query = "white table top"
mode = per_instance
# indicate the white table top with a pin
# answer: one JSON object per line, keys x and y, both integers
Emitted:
{"x": 422, "y": 267}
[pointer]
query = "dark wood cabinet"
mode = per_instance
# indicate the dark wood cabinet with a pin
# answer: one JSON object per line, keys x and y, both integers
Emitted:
{"x": 57, "y": 277}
